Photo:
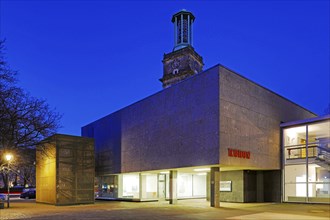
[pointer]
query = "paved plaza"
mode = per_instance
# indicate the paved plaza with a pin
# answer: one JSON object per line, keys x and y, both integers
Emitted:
{"x": 185, "y": 209}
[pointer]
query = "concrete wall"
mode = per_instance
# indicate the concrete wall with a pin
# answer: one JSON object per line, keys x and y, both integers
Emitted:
{"x": 237, "y": 193}
{"x": 107, "y": 134}
{"x": 177, "y": 127}
{"x": 250, "y": 116}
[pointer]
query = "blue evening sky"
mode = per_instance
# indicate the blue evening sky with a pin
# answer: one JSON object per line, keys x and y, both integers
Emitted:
{"x": 91, "y": 58}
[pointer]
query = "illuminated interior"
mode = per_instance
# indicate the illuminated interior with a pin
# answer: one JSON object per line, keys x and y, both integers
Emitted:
{"x": 152, "y": 185}
{"x": 306, "y": 163}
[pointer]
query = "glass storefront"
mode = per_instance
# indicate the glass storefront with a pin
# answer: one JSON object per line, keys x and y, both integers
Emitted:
{"x": 149, "y": 186}
{"x": 149, "y": 189}
{"x": 191, "y": 185}
{"x": 306, "y": 162}
{"x": 129, "y": 185}
{"x": 106, "y": 187}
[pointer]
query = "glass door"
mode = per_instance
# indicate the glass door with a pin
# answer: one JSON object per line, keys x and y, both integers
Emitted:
{"x": 161, "y": 186}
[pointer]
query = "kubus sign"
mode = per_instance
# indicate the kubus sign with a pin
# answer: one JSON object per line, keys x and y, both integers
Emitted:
{"x": 238, "y": 153}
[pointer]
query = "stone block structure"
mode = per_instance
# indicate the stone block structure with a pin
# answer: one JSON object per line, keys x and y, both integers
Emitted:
{"x": 65, "y": 170}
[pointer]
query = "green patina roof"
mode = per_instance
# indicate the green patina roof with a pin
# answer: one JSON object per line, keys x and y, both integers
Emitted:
{"x": 185, "y": 12}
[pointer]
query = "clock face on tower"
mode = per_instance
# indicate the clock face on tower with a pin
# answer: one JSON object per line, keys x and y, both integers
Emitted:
{"x": 175, "y": 64}
{"x": 180, "y": 65}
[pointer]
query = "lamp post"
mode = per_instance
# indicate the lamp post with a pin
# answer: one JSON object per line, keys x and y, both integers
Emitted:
{"x": 9, "y": 157}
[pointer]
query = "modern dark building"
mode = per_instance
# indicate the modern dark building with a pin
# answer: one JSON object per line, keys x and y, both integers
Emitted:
{"x": 210, "y": 134}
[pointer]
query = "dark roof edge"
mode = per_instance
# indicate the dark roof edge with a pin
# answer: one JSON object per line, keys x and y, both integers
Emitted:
{"x": 305, "y": 121}
{"x": 56, "y": 135}
{"x": 160, "y": 91}
{"x": 196, "y": 75}
{"x": 267, "y": 89}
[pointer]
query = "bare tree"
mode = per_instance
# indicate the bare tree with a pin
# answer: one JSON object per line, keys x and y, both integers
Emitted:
{"x": 24, "y": 120}
{"x": 25, "y": 171}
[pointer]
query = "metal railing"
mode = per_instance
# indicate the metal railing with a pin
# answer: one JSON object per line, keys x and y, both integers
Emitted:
{"x": 323, "y": 153}
{"x": 299, "y": 152}
{"x": 319, "y": 151}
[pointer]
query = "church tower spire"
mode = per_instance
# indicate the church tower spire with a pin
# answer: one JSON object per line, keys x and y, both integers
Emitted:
{"x": 183, "y": 22}
{"x": 183, "y": 61}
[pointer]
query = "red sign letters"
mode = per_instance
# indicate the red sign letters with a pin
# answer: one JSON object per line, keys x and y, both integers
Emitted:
{"x": 238, "y": 153}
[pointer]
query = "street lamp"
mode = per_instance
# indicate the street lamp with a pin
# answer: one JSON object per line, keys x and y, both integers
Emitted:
{"x": 9, "y": 157}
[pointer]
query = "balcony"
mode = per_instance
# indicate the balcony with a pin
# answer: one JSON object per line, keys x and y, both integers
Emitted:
{"x": 318, "y": 153}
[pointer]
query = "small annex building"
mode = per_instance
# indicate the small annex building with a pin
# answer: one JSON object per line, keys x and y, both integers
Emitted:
{"x": 65, "y": 170}
{"x": 210, "y": 134}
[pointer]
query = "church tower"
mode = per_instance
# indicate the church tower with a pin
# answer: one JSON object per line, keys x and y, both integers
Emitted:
{"x": 183, "y": 61}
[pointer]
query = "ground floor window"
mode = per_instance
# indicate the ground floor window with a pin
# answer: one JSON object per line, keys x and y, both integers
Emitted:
{"x": 106, "y": 186}
{"x": 306, "y": 153}
{"x": 129, "y": 185}
{"x": 191, "y": 185}
{"x": 299, "y": 187}
{"x": 149, "y": 189}
{"x": 150, "y": 186}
